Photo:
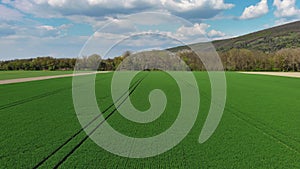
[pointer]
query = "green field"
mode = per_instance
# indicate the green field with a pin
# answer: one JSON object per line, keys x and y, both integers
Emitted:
{"x": 259, "y": 129}
{"x": 4, "y": 75}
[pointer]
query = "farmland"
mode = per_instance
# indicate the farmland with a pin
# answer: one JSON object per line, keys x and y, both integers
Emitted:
{"x": 259, "y": 129}
{"x": 4, "y": 75}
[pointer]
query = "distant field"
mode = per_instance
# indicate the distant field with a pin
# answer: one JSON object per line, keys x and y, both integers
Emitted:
{"x": 4, "y": 75}
{"x": 259, "y": 129}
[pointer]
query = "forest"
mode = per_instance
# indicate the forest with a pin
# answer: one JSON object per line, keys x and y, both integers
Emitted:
{"x": 287, "y": 59}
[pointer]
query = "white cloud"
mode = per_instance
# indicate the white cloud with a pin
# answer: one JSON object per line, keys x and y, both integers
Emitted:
{"x": 99, "y": 8}
{"x": 214, "y": 33}
{"x": 197, "y": 8}
{"x": 256, "y": 11}
{"x": 45, "y": 38}
{"x": 185, "y": 5}
{"x": 167, "y": 25}
{"x": 196, "y": 29}
{"x": 116, "y": 43}
{"x": 51, "y": 31}
{"x": 8, "y": 14}
{"x": 286, "y": 9}
{"x": 109, "y": 36}
{"x": 31, "y": 38}
{"x": 47, "y": 27}
{"x": 34, "y": 29}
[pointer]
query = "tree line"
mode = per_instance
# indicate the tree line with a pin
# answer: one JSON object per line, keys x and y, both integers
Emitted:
{"x": 233, "y": 60}
{"x": 52, "y": 64}
{"x": 287, "y": 59}
{"x": 40, "y": 63}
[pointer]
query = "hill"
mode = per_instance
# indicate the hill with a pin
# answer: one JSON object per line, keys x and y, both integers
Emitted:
{"x": 268, "y": 40}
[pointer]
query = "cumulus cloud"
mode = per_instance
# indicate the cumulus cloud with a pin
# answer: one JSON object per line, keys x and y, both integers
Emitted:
{"x": 198, "y": 30}
{"x": 30, "y": 34}
{"x": 197, "y": 8}
{"x": 256, "y": 11}
{"x": 214, "y": 34}
{"x": 99, "y": 8}
{"x": 169, "y": 26}
{"x": 51, "y": 31}
{"x": 286, "y": 9}
{"x": 115, "y": 42}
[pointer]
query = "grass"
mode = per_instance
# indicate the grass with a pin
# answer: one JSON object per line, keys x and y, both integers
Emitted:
{"x": 259, "y": 129}
{"x": 4, "y": 75}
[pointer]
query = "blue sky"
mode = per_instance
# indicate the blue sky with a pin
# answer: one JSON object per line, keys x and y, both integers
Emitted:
{"x": 61, "y": 28}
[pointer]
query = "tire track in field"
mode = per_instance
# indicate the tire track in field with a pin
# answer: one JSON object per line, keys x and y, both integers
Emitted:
{"x": 37, "y": 97}
{"x": 263, "y": 128}
{"x": 89, "y": 134}
{"x": 79, "y": 131}
{"x": 34, "y": 98}
{"x": 43, "y": 95}
{"x": 266, "y": 130}
{"x": 259, "y": 126}
{"x": 133, "y": 87}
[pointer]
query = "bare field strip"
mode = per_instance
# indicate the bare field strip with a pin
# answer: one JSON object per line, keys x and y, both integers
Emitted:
{"x": 29, "y": 79}
{"x": 284, "y": 74}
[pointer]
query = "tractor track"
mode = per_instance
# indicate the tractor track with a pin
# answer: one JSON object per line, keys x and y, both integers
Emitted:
{"x": 29, "y": 99}
{"x": 133, "y": 87}
{"x": 37, "y": 97}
